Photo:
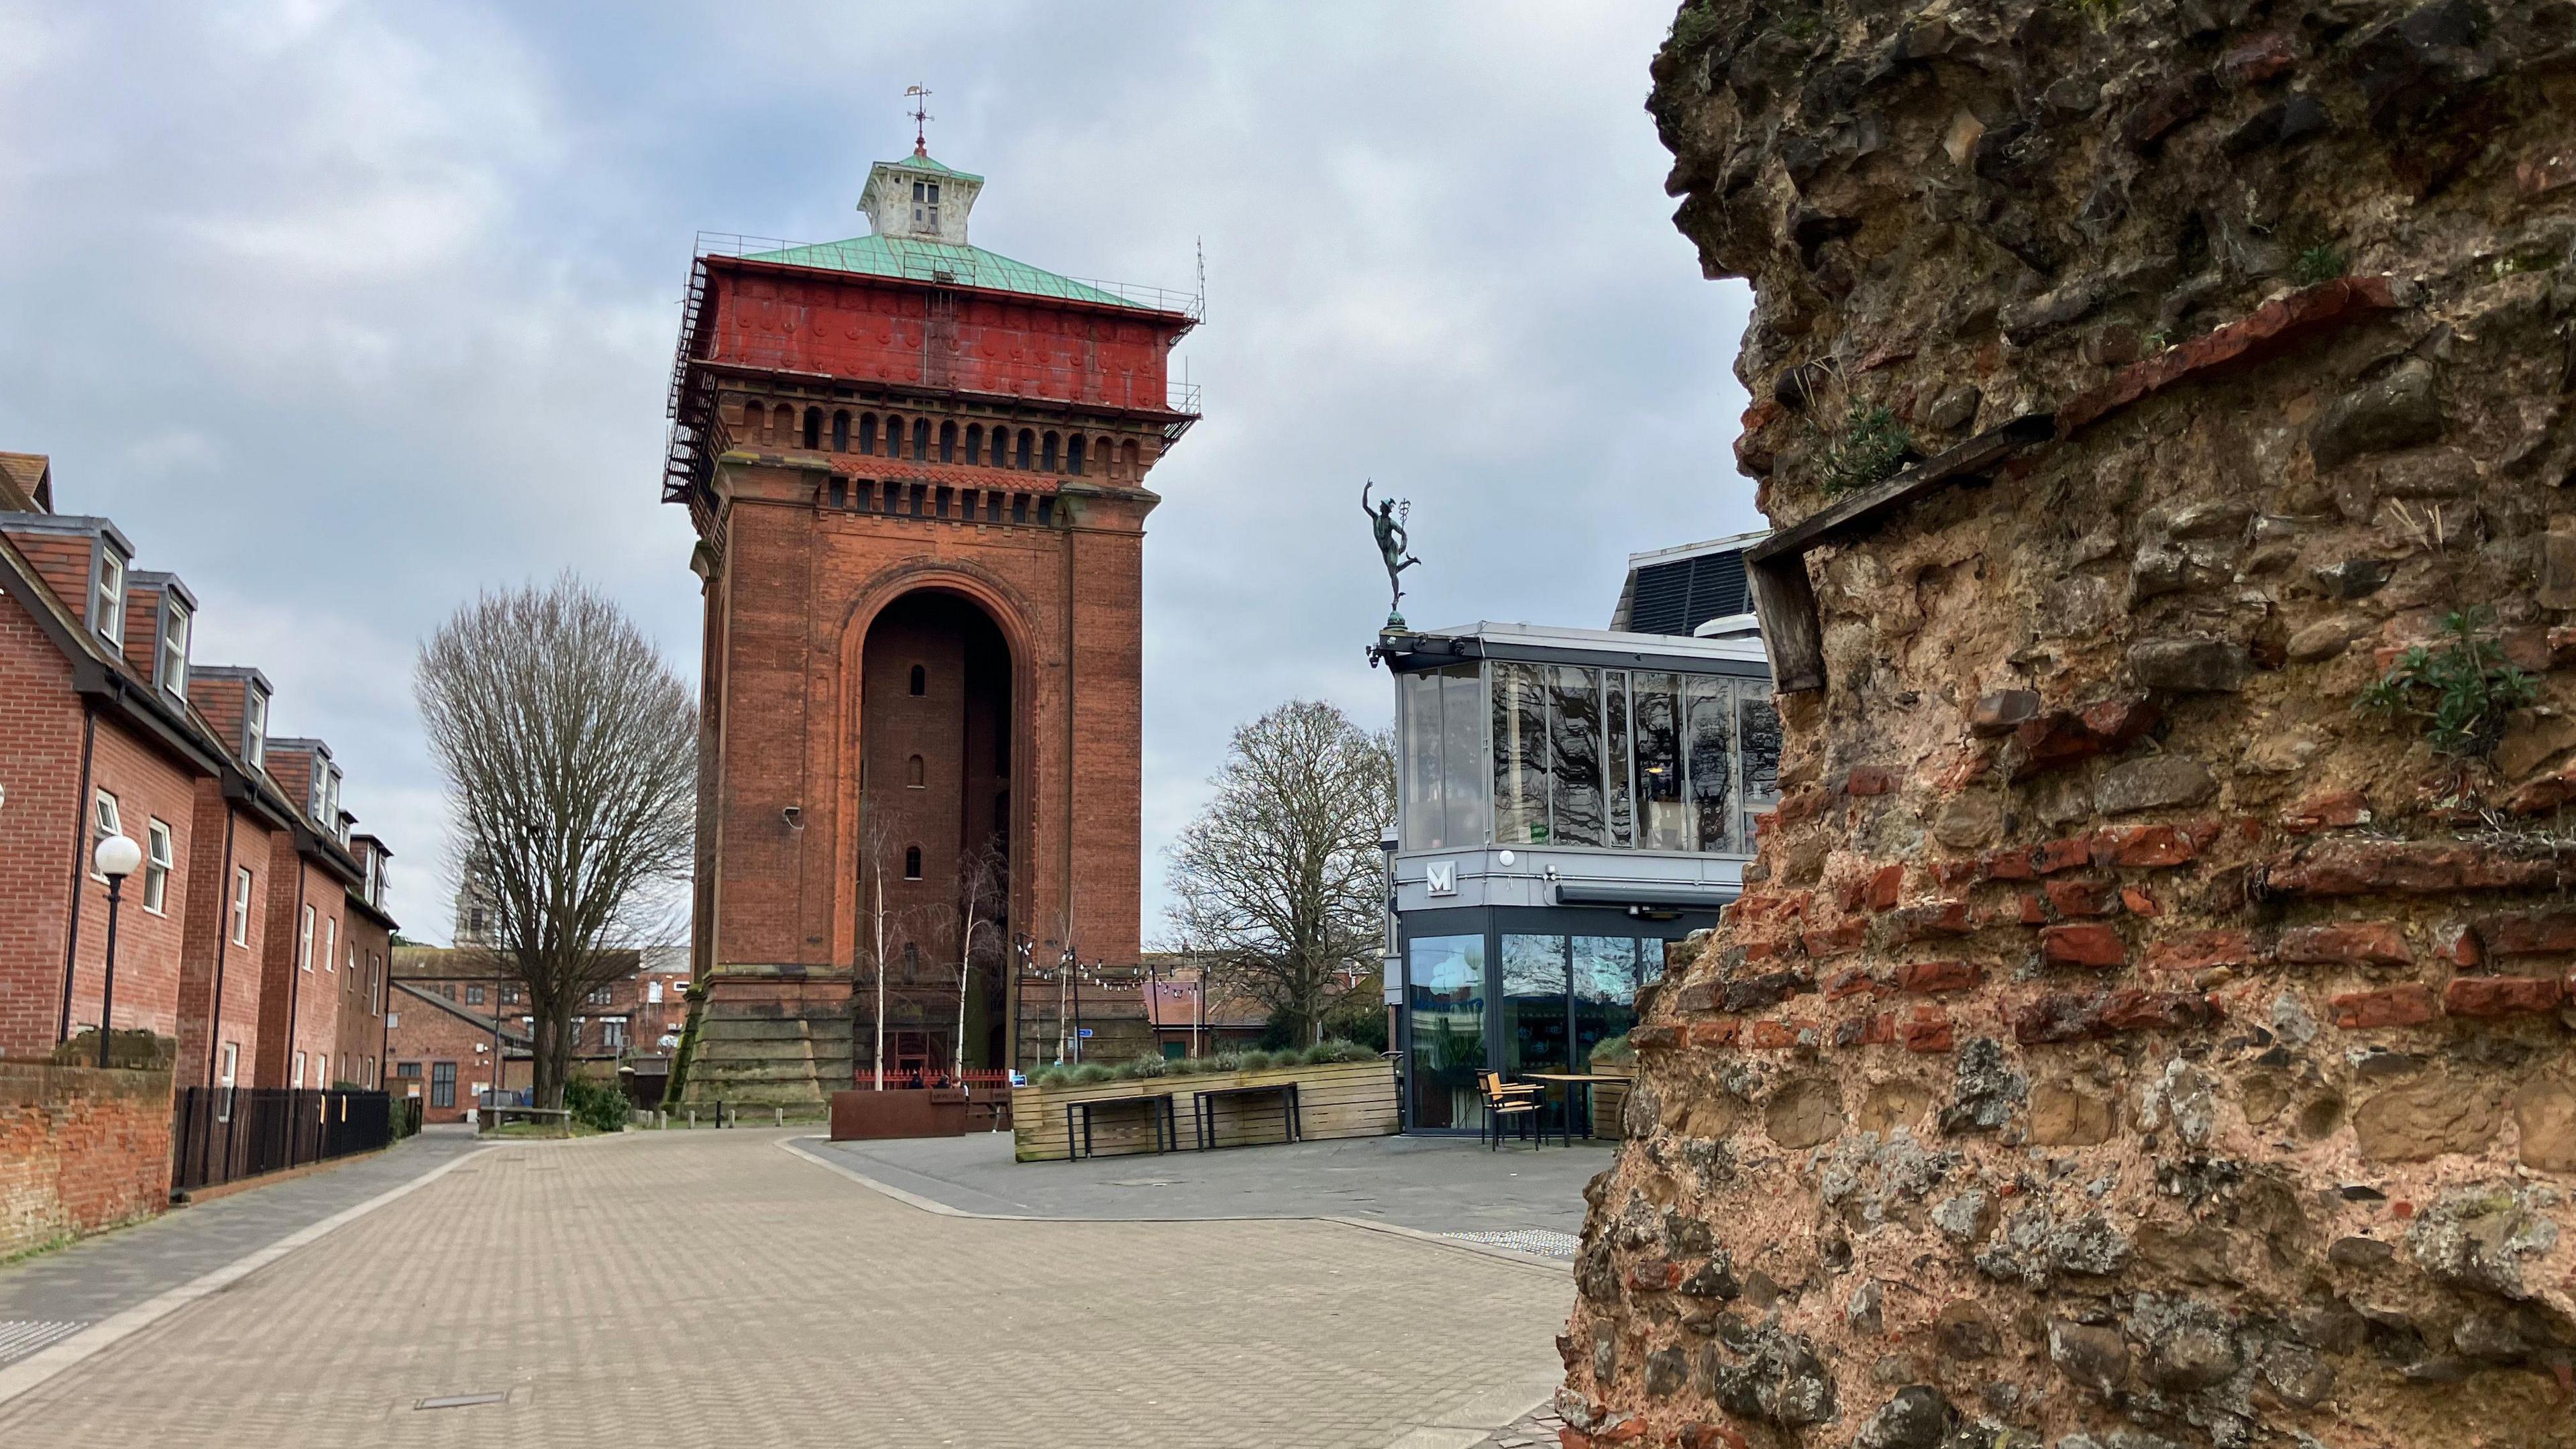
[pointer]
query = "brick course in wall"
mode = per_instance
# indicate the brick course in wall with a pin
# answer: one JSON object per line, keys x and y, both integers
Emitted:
{"x": 80, "y": 1150}
{"x": 2245, "y": 1110}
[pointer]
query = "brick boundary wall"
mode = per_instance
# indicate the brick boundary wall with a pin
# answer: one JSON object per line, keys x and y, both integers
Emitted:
{"x": 80, "y": 1150}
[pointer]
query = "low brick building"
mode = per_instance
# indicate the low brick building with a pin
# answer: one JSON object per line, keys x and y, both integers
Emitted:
{"x": 452, "y": 1004}
{"x": 255, "y": 934}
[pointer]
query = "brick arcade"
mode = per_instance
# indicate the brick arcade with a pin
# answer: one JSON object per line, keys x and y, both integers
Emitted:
{"x": 917, "y": 473}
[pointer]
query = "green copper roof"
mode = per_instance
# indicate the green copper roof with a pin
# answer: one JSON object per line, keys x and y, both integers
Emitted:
{"x": 924, "y": 163}
{"x": 927, "y": 261}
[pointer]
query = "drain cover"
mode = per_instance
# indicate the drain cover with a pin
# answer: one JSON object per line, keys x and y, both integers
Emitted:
{"x": 20, "y": 1337}
{"x": 1542, "y": 1242}
{"x": 461, "y": 1401}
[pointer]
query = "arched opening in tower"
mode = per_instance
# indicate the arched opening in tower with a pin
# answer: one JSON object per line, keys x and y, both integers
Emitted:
{"x": 935, "y": 752}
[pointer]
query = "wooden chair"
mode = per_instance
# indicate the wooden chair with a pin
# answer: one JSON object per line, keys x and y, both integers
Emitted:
{"x": 1506, "y": 1101}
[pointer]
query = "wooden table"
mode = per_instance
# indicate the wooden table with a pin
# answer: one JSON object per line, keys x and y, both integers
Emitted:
{"x": 1569, "y": 1081}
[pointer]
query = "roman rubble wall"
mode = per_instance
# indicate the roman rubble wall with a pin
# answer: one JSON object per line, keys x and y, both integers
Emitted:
{"x": 2124, "y": 1039}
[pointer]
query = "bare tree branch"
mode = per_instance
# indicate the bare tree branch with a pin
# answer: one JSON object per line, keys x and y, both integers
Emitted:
{"x": 570, "y": 750}
{"x": 1280, "y": 883}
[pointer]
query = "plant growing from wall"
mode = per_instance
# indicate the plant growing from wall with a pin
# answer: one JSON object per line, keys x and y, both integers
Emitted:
{"x": 1870, "y": 448}
{"x": 2460, "y": 688}
{"x": 2318, "y": 265}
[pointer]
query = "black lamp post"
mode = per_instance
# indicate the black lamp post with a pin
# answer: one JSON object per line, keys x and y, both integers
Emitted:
{"x": 116, "y": 858}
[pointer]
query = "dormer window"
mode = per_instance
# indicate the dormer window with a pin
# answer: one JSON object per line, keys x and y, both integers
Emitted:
{"x": 174, "y": 646}
{"x": 330, "y": 813}
{"x": 107, "y": 609}
{"x": 313, "y": 791}
{"x": 255, "y": 726}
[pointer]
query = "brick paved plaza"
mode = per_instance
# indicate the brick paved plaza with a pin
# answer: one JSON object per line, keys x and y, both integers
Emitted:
{"x": 576, "y": 1279}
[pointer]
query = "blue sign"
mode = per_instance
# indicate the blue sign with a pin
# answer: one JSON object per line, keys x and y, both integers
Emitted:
{"x": 1083, "y": 1032}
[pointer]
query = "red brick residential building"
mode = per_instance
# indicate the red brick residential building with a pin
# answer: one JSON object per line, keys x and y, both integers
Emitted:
{"x": 917, "y": 471}
{"x": 448, "y": 1005}
{"x": 112, "y": 727}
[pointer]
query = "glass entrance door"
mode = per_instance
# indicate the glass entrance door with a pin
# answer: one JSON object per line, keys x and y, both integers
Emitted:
{"x": 1445, "y": 1006}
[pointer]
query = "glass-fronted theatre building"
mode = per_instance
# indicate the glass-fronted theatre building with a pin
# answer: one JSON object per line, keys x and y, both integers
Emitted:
{"x": 1570, "y": 799}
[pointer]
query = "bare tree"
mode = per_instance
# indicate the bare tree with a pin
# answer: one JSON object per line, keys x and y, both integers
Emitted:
{"x": 876, "y": 850}
{"x": 570, "y": 750}
{"x": 1280, "y": 885}
{"x": 980, "y": 874}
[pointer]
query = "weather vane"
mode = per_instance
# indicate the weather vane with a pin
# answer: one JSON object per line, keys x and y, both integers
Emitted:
{"x": 1387, "y": 519}
{"x": 921, "y": 118}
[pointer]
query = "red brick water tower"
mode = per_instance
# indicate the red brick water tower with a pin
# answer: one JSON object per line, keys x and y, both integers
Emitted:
{"x": 917, "y": 472}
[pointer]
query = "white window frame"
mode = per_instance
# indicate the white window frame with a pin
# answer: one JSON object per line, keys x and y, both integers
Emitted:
{"x": 107, "y": 604}
{"x": 224, "y": 1080}
{"x": 158, "y": 860}
{"x": 304, "y": 941}
{"x": 298, "y": 1083}
{"x": 241, "y": 905}
{"x": 173, "y": 659}
{"x": 330, "y": 945}
{"x": 105, "y": 820}
{"x": 255, "y": 725}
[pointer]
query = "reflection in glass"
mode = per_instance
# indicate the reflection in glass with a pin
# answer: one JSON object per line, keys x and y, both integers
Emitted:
{"x": 1462, "y": 747}
{"x": 1655, "y": 699}
{"x": 1614, "y": 760}
{"x": 1444, "y": 759}
{"x": 1520, "y": 754}
{"x": 1422, "y": 763}
{"x": 1574, "y": 754}
{"x": 1605, "y": 990}
{"x": 1707, "y": 704}
{"x": 1534, "y": 1004}
{"x": 1758, "y": 726}
{"x": 1446, "y": 1007}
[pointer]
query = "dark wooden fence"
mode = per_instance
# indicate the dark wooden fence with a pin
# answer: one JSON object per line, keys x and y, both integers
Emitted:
{"x": 224, "y": 1134}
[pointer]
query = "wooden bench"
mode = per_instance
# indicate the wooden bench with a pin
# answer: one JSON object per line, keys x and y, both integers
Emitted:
{"x": 499, "y": 1116}
{"x": 1158, "y": 1107}
{"x": 1203, "y": 1111}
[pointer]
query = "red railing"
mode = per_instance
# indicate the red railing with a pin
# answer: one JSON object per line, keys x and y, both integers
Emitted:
{"x": 914, "y": 1078}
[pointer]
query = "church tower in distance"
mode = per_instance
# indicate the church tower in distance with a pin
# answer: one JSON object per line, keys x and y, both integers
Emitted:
{"x": 917, "y": 472}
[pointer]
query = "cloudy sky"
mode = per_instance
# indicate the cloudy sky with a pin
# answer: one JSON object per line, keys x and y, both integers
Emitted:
{"x": 344, "y": 311}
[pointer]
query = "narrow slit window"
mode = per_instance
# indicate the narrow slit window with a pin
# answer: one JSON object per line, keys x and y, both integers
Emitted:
{"x": 974, "y": 442}
{"x": 841, "y": 432}
{"x": 921, "y": 440}
{"x": 1073, "y": 457}
{"x": 947, "y": 442}
{"x": 912, "y": 862}
{"x": 920, "y": 681}
{"x": 813, "y": 428}
{"x": 1047, "y": 446}
{"x": 867, "y": 432}
{"x": 1028, "y": 445}
{"x": 915, "y": 777}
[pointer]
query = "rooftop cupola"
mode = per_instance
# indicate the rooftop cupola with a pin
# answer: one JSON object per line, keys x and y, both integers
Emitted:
{"x": 917, "y": 199}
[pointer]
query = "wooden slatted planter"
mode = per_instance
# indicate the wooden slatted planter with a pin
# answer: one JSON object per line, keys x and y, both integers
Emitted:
{"x": 1337, "y": 1099}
